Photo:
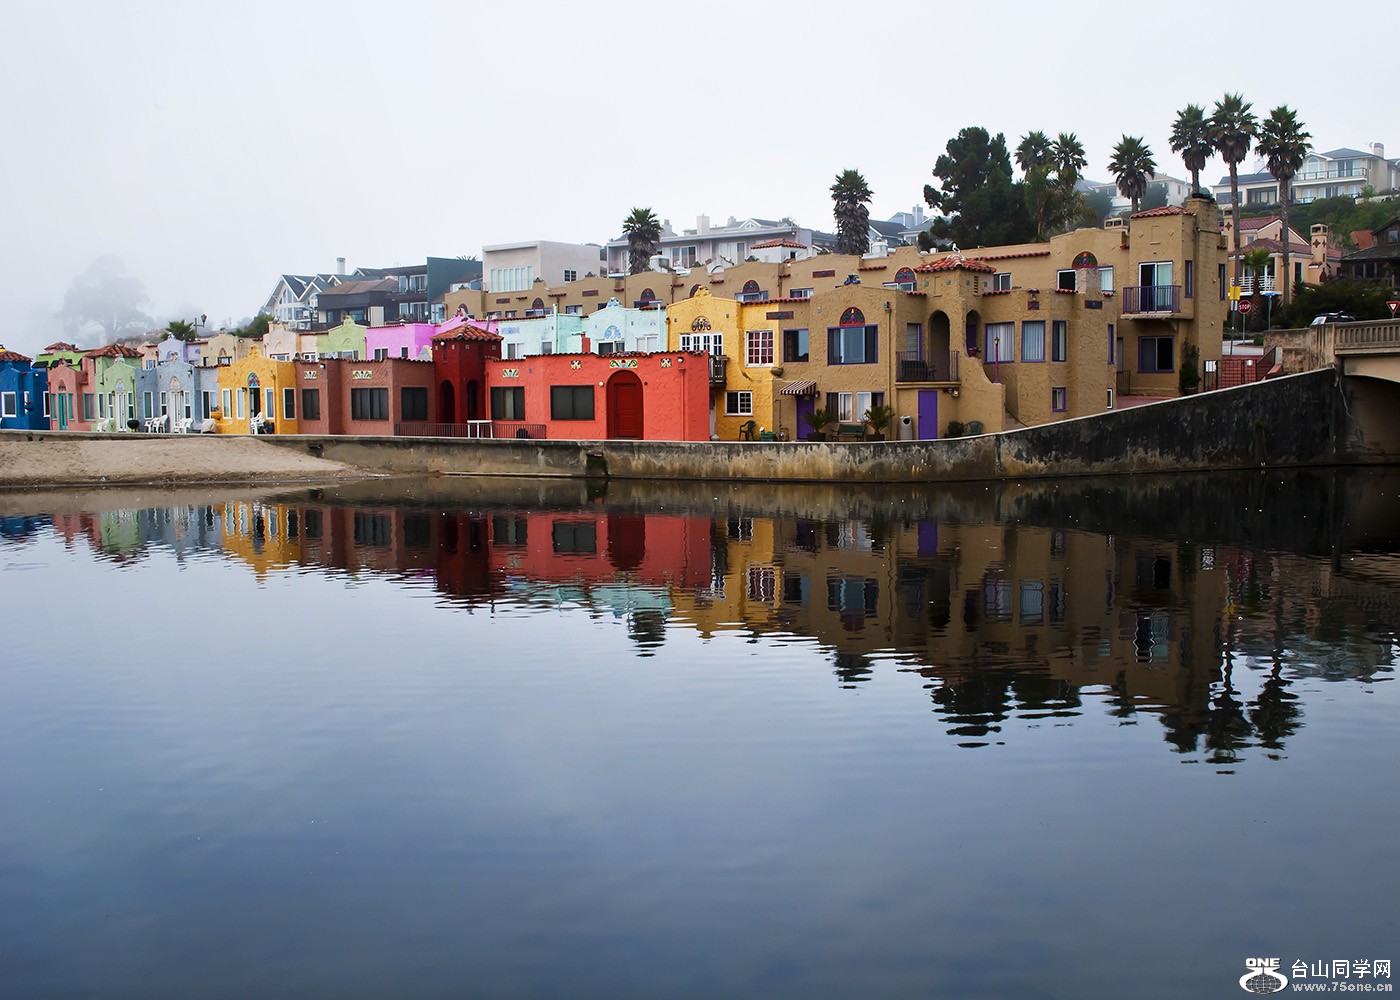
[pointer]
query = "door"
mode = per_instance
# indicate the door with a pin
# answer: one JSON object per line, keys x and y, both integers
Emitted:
{"x": 806, "y": 405}
{"x": 625, "y": 406}
{"x": 1156, "y": 280}
{"x": 62, "y": 413}
{"x": 928, "y": 414}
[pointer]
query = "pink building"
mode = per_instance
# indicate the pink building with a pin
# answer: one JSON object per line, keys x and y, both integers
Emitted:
{"x": 405, "y": 340}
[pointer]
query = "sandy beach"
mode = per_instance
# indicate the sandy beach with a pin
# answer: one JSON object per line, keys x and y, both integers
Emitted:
{"x": 46, "y": 459}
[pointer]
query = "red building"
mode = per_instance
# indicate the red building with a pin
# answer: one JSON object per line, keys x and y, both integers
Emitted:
{"x": 652, "y": 397}
{"x": 460, "y": 353}
{"x": 344, "y": 396}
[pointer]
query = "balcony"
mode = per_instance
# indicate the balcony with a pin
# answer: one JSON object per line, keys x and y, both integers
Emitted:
{"x": 1158, "y": 300}
{"x": 914, "y": 366}
{"x": 718, "y": 362}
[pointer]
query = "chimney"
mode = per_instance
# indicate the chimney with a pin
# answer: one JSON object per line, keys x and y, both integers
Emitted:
{"x": 918, "y": 216}
{"x": 340, "y": 266}
{"x": 1378, "y": 150}
{"x": 702, "y": 225}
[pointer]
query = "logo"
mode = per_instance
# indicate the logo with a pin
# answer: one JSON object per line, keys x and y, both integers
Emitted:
{"x": 1263, "y": 976}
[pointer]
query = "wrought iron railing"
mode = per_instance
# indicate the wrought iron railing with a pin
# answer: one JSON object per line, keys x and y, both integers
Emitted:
{"x": 913, "y": 366}
{"x": 1151, "y": 299}
{"x": 717, "y": 365}
{"x": 479, "y": 429}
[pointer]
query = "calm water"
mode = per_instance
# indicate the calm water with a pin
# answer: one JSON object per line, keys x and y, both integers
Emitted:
{"x": 534, "y": 739}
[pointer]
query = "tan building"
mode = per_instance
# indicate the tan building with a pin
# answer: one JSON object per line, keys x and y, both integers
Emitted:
{"x": 989, "y": 337}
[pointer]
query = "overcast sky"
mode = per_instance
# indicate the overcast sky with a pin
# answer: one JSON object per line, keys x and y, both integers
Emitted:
{"x": 214, "y": 147}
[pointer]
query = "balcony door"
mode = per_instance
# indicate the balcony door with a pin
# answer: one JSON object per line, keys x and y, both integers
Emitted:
{"x": 1155, "y": 277}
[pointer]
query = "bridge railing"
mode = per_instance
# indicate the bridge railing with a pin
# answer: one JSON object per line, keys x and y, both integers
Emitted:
{"x": 1377, "y": 335}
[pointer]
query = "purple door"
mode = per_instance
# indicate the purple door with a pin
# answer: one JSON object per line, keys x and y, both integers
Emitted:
{"x": 928, "y": 414}
{"x": 805, "y": 406}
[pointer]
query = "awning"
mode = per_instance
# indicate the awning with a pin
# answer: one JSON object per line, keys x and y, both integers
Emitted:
{"x": 808, "y": 388}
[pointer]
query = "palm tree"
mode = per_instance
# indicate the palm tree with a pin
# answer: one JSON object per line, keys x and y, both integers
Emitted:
{"x": 1232, "y": 129}
{"x": 1191, "y": 139}
{"x": 1256, "y": 261}
{"x": 1284, "y": 146}
{"x": 850, "y": 193}
{"x": 1068, "y": 154}
{"x": 1131, "y": 165}
{"x": 642, "y": 231}
{"x": 180, "y": 329}
{"x": 1034, "y": 151}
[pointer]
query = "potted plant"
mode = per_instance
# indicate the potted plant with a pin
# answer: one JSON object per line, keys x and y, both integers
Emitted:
{"x": 879, "y": 417}
{"x": 1189, "y": 377}
{"x": 819, "y": 419}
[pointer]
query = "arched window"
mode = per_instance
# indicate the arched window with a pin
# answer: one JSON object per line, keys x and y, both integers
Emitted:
{"x": 853, "y": 317}
{"x": 693, "y": 290}
{"x": 904, "y": 279}
{"x": 752, "y": 293}
{"x": 750, "y": 286}
{"x": 648, "y": 295}
{"x": 538, "y": 305}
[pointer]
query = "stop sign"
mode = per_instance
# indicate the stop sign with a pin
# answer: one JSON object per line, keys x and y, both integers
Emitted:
{"x": 1246, "y": 305}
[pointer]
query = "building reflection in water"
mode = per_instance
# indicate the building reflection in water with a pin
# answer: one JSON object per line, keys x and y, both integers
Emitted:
{"x": 996, "y": 616}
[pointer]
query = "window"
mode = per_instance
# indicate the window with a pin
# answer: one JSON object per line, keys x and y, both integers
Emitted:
{"x": 270, "y": 411}
{"x": 852, "y": 345}
{"x": 9, "y": 404}
{"x": 101, "y": 406}
{"x": 795, "y": 345}
{"x": 311, "y": 404}
{"x": 1059, "y": 399}
{"x": 752, "y": 293}
{"x": 1112, "y": 356}
{"x": 799, "y": 293}
{"x": 574, "y": 536}
{"x": 712, "y": 343}
{"x": 1155, "y": 354}
{"x": 208, "y": 400}
{"x": 146, "y": 403}
{"x": 510, "y": 530}
{"x": 1189, "y": 289}
{"x": 88, "y": 406}
{"x": 609, "y": 347}
{"x": 242, "y": 395}
{"x": 373, "y": 529}
{"x": 1064, "y": 280}
{"x": 999, "y": 342}
{"x": 571, "y": 402}
{"x": 1059, "y": 340}
{"x": 758, "y": 348}
{"x": 570, "y": 274}
{"x": 228, "y": 403}
{"x": 1106, "y": 279}
{"x": 413, "y": 403}
{"x": 738, "y": 404}
{"x": 369, "y": 404}
{"x": 649, "y": 342}
{"x": 514, "y": 352}
{"x": 507, "y": 402}
{"x": 852, "y": 406}
{"x": 999, "y": 282}
{"x": 546, "y": 347}
{"x": 1110, "y": 399}
{"x": 289, "y": 403}
{"x": 403, "y": 352}
{"x": 46, "y": 404}
{"x": 164, "y": 403}
{"x": 573, "y": 310}
{"x": 1033, "y": 340}
{"x": 1224, "y": 288}
{"x": 381, "y": 353}
{"x": 684, "y": 256}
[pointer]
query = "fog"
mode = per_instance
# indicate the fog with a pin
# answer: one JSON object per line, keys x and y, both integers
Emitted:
{"x": 205, "y": 150}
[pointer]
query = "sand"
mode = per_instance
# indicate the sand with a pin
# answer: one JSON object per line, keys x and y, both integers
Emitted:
{"x": 46, "y": 459}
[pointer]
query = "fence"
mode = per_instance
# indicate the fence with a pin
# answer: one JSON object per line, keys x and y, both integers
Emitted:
{"x": 473, "y": 429}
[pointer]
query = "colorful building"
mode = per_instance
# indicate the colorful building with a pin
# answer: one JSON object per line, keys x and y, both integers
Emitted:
{"x": 618, "y": 329}
{"x": 387, "y": 396}
{"x": 24, "y": 393}
{"x": 257, "y": 396}
{"x": 653, "y": 397}
{"x": 345, "y": 340}
{"x": 406, "y": 340}
{"x": 461, "y": 351}
{"x": 67, "y": 385}
{"x": 110, "y": 402}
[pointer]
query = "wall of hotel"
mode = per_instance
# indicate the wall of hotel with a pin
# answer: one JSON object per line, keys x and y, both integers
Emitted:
{"x": 237, "y": 378}
{"x": 393, "y": 375}
{"x": 414, "y": 338}
{"x": 72, "y": 382}
{"x": 28, "y": 386}
{"x": 526, "y": 337}
{"x": 634, "y": 329}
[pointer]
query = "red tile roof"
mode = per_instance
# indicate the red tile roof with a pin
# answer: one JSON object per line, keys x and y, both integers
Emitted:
{"x": 1023, "y": 253}
{"x": 779, "y": 243}
{"x": 62, "y": 345}
{"x": 873, "y": 267}
{"x": 13, "y": 356}
{"x": 1258, "y": 222}
{"x": 1155, "y": 213}
{"x": 955, "y": 262}
{"x": 467, "y": 332}
{"x": 115, "y": 351}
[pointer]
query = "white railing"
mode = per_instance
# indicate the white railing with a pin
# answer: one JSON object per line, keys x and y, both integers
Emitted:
{"x": 1377, "y": 335}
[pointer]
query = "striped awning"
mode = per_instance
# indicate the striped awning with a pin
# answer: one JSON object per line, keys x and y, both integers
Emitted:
{"x": 808, "y": 388}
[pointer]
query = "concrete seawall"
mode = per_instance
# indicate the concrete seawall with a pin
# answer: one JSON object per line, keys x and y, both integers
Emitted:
{"x": 1297, "y": 421}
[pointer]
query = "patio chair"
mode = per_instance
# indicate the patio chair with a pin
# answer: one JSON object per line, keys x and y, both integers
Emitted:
{"x": 747, "y": 429}
{"x": 183, "y": 427}
{"x": 156, "y": 425}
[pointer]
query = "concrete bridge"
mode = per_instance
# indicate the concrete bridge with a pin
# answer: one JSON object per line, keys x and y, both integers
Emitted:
{"x": 1370, "y": 349}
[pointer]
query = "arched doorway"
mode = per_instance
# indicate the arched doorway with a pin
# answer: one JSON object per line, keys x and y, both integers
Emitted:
{"x": 940, "y": 333}
{"x": 974, "y": 331}
{"x": 627, "y": 540}
{"x": 447, "y": 403}
{"x": 625, "y": 406}
{"x": 473, "y": 403}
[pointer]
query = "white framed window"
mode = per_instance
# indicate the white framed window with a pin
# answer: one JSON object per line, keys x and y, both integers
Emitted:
{"x": 1065, "y": 280}
{"x": 242, "y": 403}
{"x": 1110, "y": 400}
{"x": 738, "y": 404}
{"x": 758, "y": 348}
{"x": 573, "y": 310}
{"x": 570, "y": 274}
{"x": 1106, "y": 279}
{"x": 1059, "y": 399}
{"x": 227, "y": 408}
{"x": 271, "y": 400}
{"x": 381, "y": 354}
{"x": 650, "y": 343}
{"x": 799, "y": 293}
{"x": 403, "y": 352}
{"x": 9, "y": 404}
{"x": 514, "y": 351}
{"x": 46, "y": 404}
{"x": 711, "y": 342}
{"x": 164, "y": 403}
{"x": 147, "y": 404}
{"x": 609, "y": 347}
{"x": 999, "y": 282}
{"x": 546, "y": 347}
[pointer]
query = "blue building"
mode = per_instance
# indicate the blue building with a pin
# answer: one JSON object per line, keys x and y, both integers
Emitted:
{"x": 24, "y": 393}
